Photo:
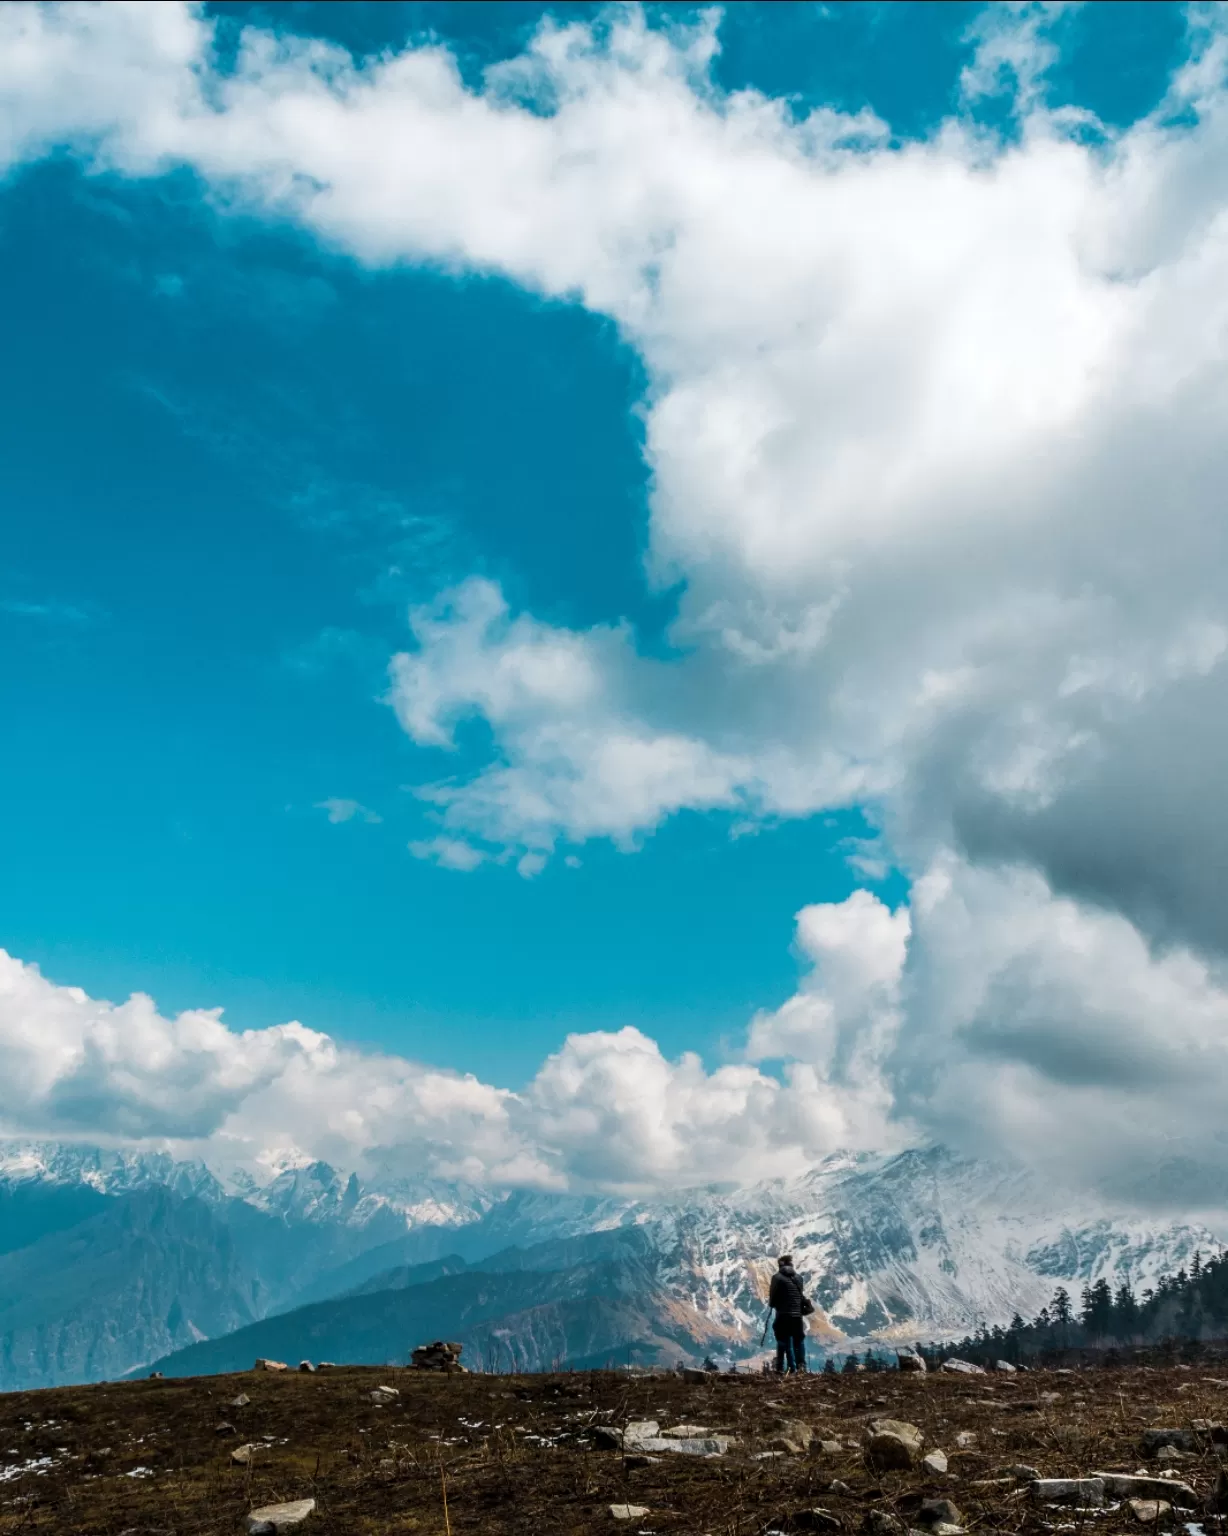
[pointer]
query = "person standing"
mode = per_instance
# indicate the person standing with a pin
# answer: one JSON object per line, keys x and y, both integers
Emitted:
{"x": 788, "y": 1301}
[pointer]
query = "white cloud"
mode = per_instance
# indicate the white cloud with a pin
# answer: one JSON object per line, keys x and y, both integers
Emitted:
{"x": 449, "y": 853}
{"x": 937, "y": 452}
{"x": 339, "y": 810}
{"x": 607, "y": 1111}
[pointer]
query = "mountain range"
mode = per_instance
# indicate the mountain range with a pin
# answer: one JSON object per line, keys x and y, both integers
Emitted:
{"x": 113, "y": 1262}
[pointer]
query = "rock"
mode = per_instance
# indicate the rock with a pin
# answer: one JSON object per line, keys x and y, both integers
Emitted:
{"x": 269, "y": 1365}
{"x": 909, "y": 1360}
{"x": 1021, "y": 1473}
{"x": 811, "y": 1520}
{"x": 684, "y": 1432}
{"x": 839, "y": 1487}
{"x": 893, "y": 1445}
{"x": 274, "y": 1518}
{"x": 695, "y": 1376}
{"x": 1155, "y": 1440}
{"x": 638, "y": 1460}
{"x": 935, "y": 1512}
{"x": 943, "y": 1529}
{"x": 641, "y": 1429}
{"x": 1086, "y": 1491}
{"x": 1209, "y": 1429}
{"x": 935, "y": 1462}
{"x": 963, "y": 1368}
{"x": 238, "y": 1402}
{"x": 606, "y": 1439}
{"x": 242, "y": 1454}
{"x": 879, "y": 1523}
{"x": 1167, "y": 1454}
{"x": 156, "y": 1376}
{"x": 793, "y": 1437}
{"x": 965, "y": 1440}
{"x": 387, "y": 1391}
{"x": 1005, "y": 1367}
{"x": 1149, "y": 1511}
{"x": 326, "y": 1365}
{"x": 306, "y": 1365}
{"x": 628, "y": 1511}
{"x": 831, "y": 1447}
{"x": 223, "y": 1429}
{"x": 1122, "y": 1485}
{"x": 438, "y": 1356}
{"x": 708, "y": 1445}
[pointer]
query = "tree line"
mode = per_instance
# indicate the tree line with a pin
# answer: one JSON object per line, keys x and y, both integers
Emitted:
{"x": 1190, "y": 1305}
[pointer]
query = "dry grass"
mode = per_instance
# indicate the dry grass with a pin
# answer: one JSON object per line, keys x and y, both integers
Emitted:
{"x": 515, "y": 1454}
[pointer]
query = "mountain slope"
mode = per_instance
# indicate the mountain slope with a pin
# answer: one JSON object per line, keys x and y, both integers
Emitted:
{"x": 924, "y": 1245}
{"x": 147, "y": 1273}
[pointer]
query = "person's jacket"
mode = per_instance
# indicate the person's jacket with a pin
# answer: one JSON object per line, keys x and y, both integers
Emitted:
{"x": 785, "y": 1293}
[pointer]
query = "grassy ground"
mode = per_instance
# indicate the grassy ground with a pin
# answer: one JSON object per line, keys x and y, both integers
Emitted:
{"x": 516, "y": 1454}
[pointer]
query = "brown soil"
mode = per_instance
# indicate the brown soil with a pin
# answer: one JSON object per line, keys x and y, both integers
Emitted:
{"x": 515, "y": 1454}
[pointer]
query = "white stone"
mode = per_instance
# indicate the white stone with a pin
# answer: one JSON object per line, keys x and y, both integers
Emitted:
{"x": 274, "y": 1518}
{"x": 628, "y": 1511}
{"x": 642, "y": 1429}
{"x": 935, "y": 1462}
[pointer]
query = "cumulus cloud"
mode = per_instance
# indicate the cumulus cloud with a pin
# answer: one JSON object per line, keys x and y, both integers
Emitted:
{"x": 937, "y": 451}
{"x": 607, "y": 1111}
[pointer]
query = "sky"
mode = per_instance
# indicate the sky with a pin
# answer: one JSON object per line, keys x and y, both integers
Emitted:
{"x": 615, "y": 597}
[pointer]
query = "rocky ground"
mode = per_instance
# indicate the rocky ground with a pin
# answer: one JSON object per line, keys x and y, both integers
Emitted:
{"x": 547, "y": 1454}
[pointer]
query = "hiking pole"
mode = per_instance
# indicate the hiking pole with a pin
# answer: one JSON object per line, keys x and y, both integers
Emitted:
{"x": 766, "y": 1323}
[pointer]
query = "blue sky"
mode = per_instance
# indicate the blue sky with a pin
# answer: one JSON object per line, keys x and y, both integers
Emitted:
{"x": 243, "y": 439}
{"x": 231, "y": 458}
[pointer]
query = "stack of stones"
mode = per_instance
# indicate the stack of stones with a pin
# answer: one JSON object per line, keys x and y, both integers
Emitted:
{"x": 437, "y": 1357}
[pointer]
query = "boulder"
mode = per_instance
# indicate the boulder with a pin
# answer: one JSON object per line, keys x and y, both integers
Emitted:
{"x": 831, "y": 1447}
{"x": 935, "y": 1462}
{"x": 1085, "y": 1491}
{"x": 223, "y": 1429}
{"x": 306, "y": 1365}
{"x": 965, "y": 1440}
{"x": 893, "y": 1445}
{"x": 274, "y": 1518}
{"x": 695, "y": 1376}
{"x": 242, "y": 1454}
{"x": 685, "y": 1432}
{"x": 269, "y": 1365}
{"x": 637, "y": 1460}
{"x": 1150, "y": 1511}
{"x": 879, "y": 1523}
{"x": 1168, "y": 1454}
{"x": 908, "y": 1360}
{"x": 606, "y": 1439}
{"x": 1020, "y": 1472}
{"x": 963, "y": 1368}
{"x": 641, "y": 1429}
{"x": 628, "y": 1511}
{"x": 1005, "y": 1367}
{"x": 156, "y": 1376}
{"x": 1124, "y": 1485}
{"x": 238, "y": 1402}
{"x": 706, "y": 1445}
{"x": 438, "y": 1356}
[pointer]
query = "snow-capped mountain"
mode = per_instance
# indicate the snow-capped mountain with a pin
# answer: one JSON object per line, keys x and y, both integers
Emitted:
{"x": 913, "y": 1246}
